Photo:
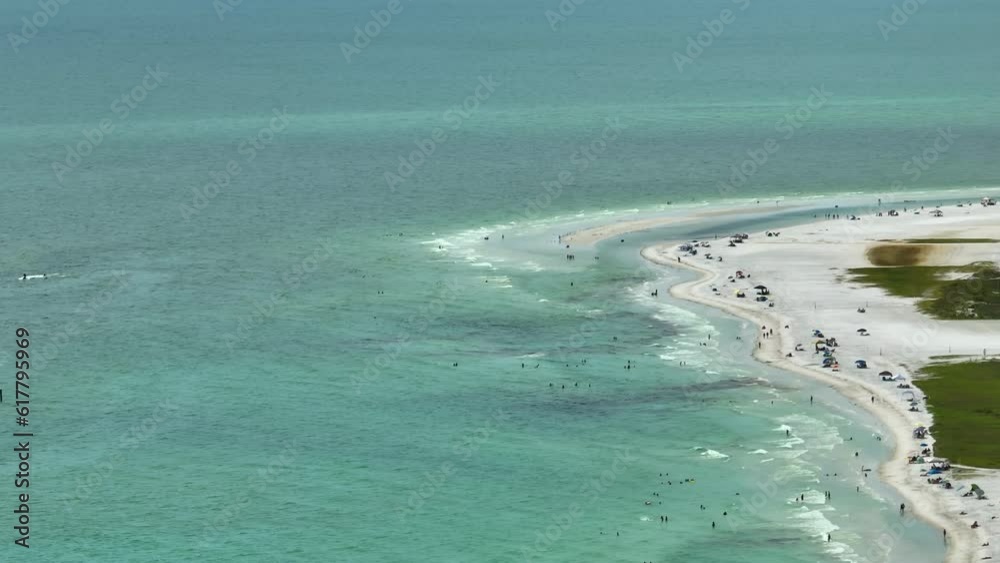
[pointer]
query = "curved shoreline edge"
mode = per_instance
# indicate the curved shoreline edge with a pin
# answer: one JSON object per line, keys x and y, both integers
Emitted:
{"x": 929, "y": 507}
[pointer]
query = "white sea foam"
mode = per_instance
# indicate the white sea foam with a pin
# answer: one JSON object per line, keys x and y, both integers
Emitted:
{"x": 812, "y": 431}
{"x": 759, "y": 452}
{"x": 791, "y": 442}
{"x": 791, "y": 471}
{"x": 712, "y": 454}
{"x": 532, "y": 266}
{"x": 813, "y": 522}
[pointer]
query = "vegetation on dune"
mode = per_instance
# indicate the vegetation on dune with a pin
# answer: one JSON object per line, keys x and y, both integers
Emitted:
{"x": 974, "y": 295}
{"x": 963, "y": 399}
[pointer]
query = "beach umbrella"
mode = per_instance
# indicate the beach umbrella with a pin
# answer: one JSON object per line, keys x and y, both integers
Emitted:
{"x": 885, "y": 373}
{"x": 759, "y": 287}
{"x": 862, "y": 330}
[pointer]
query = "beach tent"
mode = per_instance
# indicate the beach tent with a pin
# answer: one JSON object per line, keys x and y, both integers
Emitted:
{"x": 860, "y": 364}
{"x": 980, "y": 494}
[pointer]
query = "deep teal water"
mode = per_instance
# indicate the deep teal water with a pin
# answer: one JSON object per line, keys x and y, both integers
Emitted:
{"x": 270, "y": 377}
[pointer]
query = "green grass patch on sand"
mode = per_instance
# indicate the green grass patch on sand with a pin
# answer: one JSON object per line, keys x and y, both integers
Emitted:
{"x": 963, "y": 398}
{"x": 951, "y": 240}
{"x": 945, "y": 292}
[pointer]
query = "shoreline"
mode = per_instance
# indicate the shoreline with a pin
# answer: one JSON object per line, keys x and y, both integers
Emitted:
{"x": 597, "y": 233}
{"x": 932, "y": 504}
{"x": 894, "y": 471}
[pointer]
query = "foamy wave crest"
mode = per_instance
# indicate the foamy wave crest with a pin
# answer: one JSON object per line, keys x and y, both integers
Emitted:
{"x": 711, "y": 454}
{"x": 814, "y": 432}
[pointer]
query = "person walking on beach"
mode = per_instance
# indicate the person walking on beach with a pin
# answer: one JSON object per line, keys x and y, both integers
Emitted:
{"x": 902, "y": 508}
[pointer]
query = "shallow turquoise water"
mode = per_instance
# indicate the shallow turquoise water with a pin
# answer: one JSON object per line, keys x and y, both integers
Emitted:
{"x": 273, "y": 378}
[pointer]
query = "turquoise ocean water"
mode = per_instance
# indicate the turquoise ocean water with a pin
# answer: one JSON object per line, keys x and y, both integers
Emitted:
{"x": 302, "y": 363}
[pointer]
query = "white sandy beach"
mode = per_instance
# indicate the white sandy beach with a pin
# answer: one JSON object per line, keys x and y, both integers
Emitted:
{"x": 590, "y": 235}
{"x": 804, "y": 270}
